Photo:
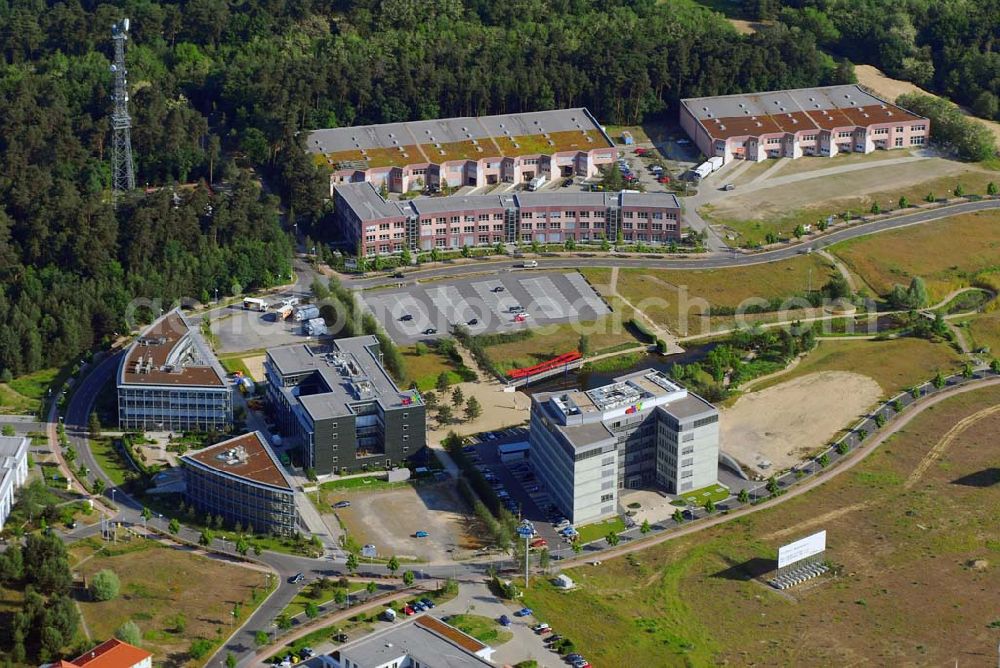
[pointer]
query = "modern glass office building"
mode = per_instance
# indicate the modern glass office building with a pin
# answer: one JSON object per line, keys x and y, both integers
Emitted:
{"x": 241, "y": 480}
{"x": 170, "y": 380}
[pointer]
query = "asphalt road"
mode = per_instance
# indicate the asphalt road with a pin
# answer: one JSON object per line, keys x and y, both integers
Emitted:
{"x": 705, "y": 261}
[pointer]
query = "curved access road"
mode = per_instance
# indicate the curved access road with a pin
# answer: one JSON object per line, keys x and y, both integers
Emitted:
{"x": 707, "y": 261}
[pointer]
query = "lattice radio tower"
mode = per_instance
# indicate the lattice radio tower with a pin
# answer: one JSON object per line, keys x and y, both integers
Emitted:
{"x": 122, "y": 170}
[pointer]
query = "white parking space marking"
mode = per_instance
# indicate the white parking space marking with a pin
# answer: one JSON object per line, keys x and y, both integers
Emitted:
{"x": 587, "y": 293}
{"x": 498, "y": 302}
{"x": 449, "y": 301}
{"x": 547, "y": 299}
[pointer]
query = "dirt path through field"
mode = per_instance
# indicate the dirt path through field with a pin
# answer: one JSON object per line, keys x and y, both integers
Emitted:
{"x": 816, "y": 521}
{"x": 939, "y": 448}
{"x": 776, "y": 428}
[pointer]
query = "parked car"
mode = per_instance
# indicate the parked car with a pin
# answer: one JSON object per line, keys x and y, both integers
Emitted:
{"x": 538, "y": 628}
{"x": 524, "y": 612}
{"x": 406, "y": 317}
{"x": 342, "y": 504}
{"x": 498, "y": 288}
{"x": 408, "y": 611}
{"x": 421, "y": 534}
{"x": 418, "y": 606}
{"x": 307, "y": 653}
{"x": 567, "y": 183}
{"x": 429, "y": 331}
{"x": 539, "y": 543}
{"x": 473, "y": 322}
{"x": 729, "y": 186}
{"x": 504, "y": 620}
{"x": 427, "y": 602}
{"x": 555, "y": 637}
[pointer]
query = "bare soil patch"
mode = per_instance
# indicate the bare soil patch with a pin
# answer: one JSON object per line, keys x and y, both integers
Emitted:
{"x": 389, "y": 519}
{"x": 785, "y": 423}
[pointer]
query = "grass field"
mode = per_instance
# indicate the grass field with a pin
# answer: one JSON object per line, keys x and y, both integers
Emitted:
{"x": 909, "y": 589}
{"x": 948, "y": 254}
{"x": 23, "y": 395}
{"x": 110, "y": 459}
{"x": 550, "y": 341}
{"x": 234, "y": 364}
{"x": 483, "y": 629}
{"x": 781, "y": 207}
{"x": 677, "y": 299}
{"x": 985, "y": 331}
{"x": 716, "y": 493}
{"x": 591, "y": 532}
{"x": 895, "y": 365}
{"x": 425, "y": 369}
{"x": 159, "y": 583}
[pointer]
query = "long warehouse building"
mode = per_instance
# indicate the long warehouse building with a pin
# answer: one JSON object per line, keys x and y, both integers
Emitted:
{"x": 379, "y": 226}
{"x": 468, "y": 151}
{"x": 823, "y": 121}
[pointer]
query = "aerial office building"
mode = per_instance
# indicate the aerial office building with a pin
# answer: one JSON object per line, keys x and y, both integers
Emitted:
{"x": 473, "y": 151}
{"x": 168, "y": 379}
{"x": 378, "y": 226}
{"x": 641, "y": 431}
{"x": 343, "y": 407}
{"x": 822, "y": 121}
{"x": 426, "y": 642}
{"x": 241, "y": 480}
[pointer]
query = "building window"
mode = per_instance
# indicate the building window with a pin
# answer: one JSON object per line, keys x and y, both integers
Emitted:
{"x": 918, "y": 128}
{"x": 687, "y": 474}
{"x": 916, "y": 141}
{"x": 607, "y": 497}
{"x": 899, "y": 141}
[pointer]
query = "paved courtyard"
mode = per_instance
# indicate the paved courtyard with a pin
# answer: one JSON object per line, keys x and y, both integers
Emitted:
{"x": 485, "y": 304}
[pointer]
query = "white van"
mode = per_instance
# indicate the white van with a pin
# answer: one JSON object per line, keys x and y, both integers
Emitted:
{"x": 529, "y": 264}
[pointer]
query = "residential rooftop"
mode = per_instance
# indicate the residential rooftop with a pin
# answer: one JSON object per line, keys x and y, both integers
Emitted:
{"x": 463, "y": 138}
{"x": 352, "y": 372}
{"x": 247, "y": 456}
{"x": 426, "y": 640}
{"x": 823, "y": 108}
{"x": 112, "y": 653}
{"x": 365, "y": 200}
{"x": 171, "y": 352}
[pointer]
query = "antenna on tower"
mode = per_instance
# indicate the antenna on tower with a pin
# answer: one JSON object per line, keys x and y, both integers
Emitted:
{"x": 122, "y": 170}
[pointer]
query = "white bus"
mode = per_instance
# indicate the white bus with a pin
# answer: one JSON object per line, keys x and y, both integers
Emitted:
{"x": 254, "y": 304}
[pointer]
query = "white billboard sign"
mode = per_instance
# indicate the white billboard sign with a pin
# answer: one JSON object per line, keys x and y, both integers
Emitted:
{"x": 801, "y": 549}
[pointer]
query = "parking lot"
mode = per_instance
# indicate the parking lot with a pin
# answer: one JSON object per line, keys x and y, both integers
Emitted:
{"x": 508, "y": 301}
{"x": 517, "y": 487}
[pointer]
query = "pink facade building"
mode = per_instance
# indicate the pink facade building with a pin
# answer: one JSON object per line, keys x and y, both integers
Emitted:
{"x": 473, "y": 151}
{"x": 381, "y": 227}
{"x": 793, "y": 123}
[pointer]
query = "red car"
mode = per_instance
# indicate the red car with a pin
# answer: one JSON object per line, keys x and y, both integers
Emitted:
{"x": 641, "y": 151}
{"x": 664, "y": 179}
{"x": 539, "y": 543}
{"x": 408, "y": 611}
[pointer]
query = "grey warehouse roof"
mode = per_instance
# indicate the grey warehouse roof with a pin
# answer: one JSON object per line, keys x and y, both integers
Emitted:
{"x": 421, "y": 640}
{"x": 780, "y": 101}
{"x": 350, "y": 370}
{"x": 446, "y": 130}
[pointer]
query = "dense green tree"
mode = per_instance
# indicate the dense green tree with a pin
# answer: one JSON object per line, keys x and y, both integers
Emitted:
{"x": 130, "y": 633}
{"x": 104, "y": 585}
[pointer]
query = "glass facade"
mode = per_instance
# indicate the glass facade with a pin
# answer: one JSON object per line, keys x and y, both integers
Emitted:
{"x": 266, "y": 508}
{"x": 175, "y": 408}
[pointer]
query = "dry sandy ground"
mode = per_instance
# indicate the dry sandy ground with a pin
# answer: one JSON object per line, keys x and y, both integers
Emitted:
{"x": 500, "y": 410}
{"x": 890, "y": 89}
{"x": 826, "y": 188}
{"x": 389, "y": 519}
{"x": 786, "y": 422}
{"x": 255, "y": 365}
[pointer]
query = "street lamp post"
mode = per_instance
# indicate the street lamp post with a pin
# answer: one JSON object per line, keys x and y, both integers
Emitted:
{"x": 525, "y": 531}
